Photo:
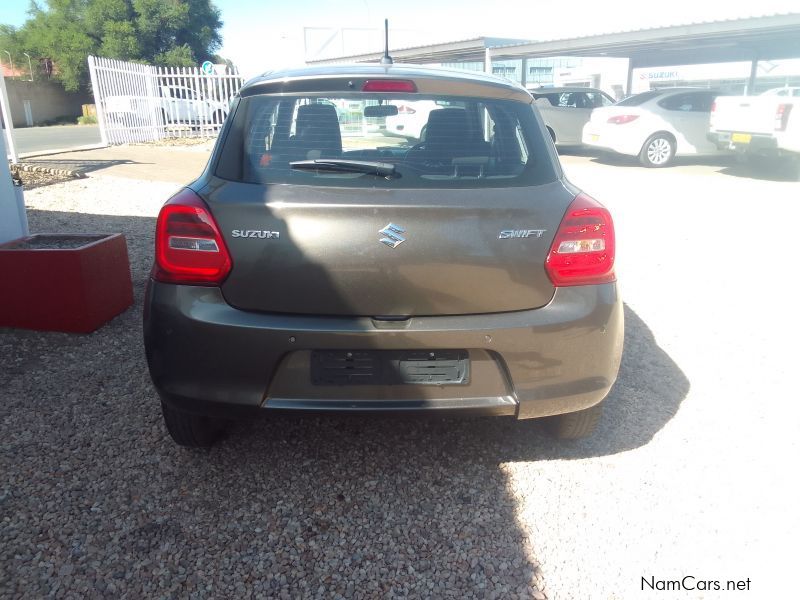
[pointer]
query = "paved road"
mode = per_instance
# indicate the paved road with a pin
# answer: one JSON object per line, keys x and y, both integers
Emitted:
{"x": 147, "y": 162}
{"x": 39, "y": 139}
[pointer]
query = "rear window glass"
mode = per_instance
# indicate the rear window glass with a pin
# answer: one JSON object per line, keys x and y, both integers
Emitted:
{"x": 427, "y": 141}
{"x": 640, "y": 99}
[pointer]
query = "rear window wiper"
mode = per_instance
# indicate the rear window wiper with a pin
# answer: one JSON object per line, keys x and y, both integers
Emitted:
{"x": 346, "y": 166}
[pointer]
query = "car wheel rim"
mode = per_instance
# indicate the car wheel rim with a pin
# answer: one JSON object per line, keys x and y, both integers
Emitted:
{"x": 658, "y": 151}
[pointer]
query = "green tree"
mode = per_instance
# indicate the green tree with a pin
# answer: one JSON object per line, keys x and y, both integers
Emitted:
{"x": 174, "y": 32}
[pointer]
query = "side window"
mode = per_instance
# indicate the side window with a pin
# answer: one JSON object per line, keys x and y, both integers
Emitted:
{"x": 680, "y": 102}
{"x": 703, "y": 102}
{"x": 597, "y": 100}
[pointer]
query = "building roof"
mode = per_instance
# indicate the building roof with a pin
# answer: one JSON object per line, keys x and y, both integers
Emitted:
{"x": 454, "y": 51}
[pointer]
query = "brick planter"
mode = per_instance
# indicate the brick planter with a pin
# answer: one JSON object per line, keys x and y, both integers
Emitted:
{"x": 72, "y": 283}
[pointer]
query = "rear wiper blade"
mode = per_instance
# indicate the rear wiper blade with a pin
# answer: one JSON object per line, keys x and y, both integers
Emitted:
{"x": 348, "y": 166}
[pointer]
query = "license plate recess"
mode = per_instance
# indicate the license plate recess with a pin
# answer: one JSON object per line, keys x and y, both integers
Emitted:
{"x": 389, "y": 367}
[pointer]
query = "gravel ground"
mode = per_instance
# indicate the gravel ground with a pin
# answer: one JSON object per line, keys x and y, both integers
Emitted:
{"x": 688, "y": 474}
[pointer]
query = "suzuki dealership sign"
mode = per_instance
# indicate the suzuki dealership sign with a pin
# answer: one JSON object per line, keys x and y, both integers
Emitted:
{"x": 645, "y": 79}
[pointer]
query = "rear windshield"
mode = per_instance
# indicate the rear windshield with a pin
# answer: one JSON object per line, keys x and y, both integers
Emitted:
{"x": 429, "y": 141}
{"x": 640, "y": 99}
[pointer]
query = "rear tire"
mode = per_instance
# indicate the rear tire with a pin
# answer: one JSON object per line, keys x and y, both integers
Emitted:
{"x": 576, "y": 425}
{"x": 190, "y": 430}
{"x": 658, "y": 151}
{"x": 552, "y": 134}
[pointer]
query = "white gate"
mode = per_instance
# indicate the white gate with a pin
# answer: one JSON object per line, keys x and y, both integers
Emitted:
{"x": 141, "y": 103}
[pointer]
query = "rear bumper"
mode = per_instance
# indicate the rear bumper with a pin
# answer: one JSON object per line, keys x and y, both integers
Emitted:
{"x": 763, "y": 144}
{"x": 612, "y": 137}
{"x": 208, "y": 357}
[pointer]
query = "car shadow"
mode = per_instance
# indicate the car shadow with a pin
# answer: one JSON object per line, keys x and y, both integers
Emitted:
{"x": 294, "y": 505}
{"x": 81, "y": 166}
{"x": 763, "y": 169}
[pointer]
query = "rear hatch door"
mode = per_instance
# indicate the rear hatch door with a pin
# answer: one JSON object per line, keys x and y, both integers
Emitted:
{"x": 353, "y": 251}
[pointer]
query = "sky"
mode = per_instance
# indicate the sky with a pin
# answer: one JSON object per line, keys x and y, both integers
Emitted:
{"x": 260, "y": 35}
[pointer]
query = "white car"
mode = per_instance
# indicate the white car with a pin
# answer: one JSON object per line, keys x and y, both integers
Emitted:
{"x": 176, "y": 104}
{"x": 566, "y": 110}
{"x": 656, "y": 126}
{"x": 760, "y": 126}
{"x": 411, "y": 118}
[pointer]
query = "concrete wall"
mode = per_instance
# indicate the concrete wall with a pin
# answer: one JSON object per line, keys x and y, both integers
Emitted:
{"x": 48, "y": 100}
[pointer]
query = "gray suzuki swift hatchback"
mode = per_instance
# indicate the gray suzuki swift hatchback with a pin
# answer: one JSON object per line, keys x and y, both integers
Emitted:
{"x": 382, "y": 238}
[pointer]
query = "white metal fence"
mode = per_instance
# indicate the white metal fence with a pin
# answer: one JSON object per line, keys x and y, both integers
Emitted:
{"x": 140, "y": 103}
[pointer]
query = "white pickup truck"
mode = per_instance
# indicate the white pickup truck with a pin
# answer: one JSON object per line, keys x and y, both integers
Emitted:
{"x": 765, "y": 125}
{"x": 176, "y": 105}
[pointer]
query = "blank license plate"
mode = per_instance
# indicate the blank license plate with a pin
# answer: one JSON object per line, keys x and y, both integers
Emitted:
{"x": 741, "y": 138}
{"x": 377, "y": 367}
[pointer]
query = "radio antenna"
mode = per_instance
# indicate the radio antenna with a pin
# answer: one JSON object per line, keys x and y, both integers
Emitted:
{"x": 386, "y": 59}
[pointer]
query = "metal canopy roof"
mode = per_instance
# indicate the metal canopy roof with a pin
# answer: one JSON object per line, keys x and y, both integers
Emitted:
{"x": 768, "y": 37}
{"x": 457, "y": 51}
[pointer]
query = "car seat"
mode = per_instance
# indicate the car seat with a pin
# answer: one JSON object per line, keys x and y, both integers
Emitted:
{"x": 449, "y": 135}
{"x": 317, "y": 133}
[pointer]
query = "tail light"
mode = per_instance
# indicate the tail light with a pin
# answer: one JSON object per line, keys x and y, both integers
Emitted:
{"x": 622, "y": 119}
{"x": 714, "y": 106}
{"x": 583, "y": 249}
{"x": 782, "y": 113}
{"x": 189, "y": 246}
{"x": 405, "y": 110}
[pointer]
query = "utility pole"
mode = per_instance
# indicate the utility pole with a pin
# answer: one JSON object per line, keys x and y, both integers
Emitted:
{"x": 30, "y": 66}
{"x": 11, "y": 62}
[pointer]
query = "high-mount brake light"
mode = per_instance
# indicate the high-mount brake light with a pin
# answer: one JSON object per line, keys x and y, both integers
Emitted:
{"x": 189, "y": 246}
{"x": 582, "y": 252}
{"x": 389, "y": 85}
{"x": 622, "y": 119}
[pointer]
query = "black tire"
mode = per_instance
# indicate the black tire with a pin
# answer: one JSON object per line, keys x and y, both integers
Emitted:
{"x": 190, "y": 430}
{"x": 658, "y": 151}
{"x": 423, "y": 133}
{"x": 576, "y": 425}
{"x": 552, "y": 134}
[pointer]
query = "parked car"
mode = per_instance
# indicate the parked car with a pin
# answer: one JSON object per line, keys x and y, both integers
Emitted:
{"x": 411, "y": 118}
{"x": 760, "y": 126}
{"x": 175, "y": 104}
{"x": 656, "y": 126}
{"x": 308, "y": 270}
{"x": 566, "y": 110}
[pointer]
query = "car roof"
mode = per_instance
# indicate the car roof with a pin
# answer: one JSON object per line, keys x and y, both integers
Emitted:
{"x": 684, "y": 89}
{"x": 428, "y": 79}
{"x": 563, "y": 89}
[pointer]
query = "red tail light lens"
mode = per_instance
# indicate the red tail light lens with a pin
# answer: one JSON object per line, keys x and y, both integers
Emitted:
{"x": 782, "y": 113}
{"x": 622, "y": 119}
{"x": 583, "y": 248}
{"x": 389, "y": 85}
{"x": 405, "y": 110}
{"x": 714, "y": 106}
{"x": 189, "y": 246}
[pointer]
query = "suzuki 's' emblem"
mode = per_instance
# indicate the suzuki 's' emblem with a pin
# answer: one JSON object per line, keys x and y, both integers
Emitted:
{"x": 393, "y": 235}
